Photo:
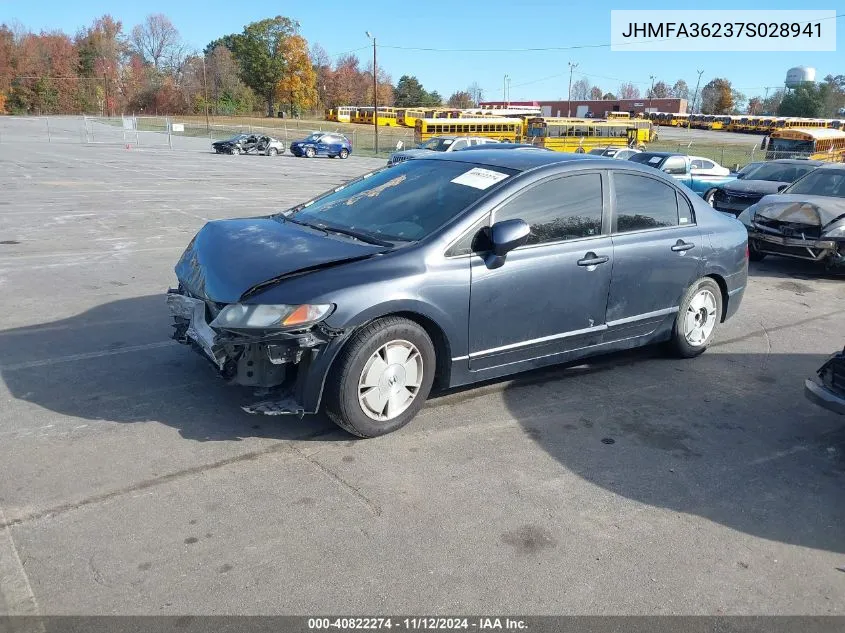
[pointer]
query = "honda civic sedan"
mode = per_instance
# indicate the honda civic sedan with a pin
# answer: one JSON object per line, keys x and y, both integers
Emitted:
{"x": 453, "y": 269}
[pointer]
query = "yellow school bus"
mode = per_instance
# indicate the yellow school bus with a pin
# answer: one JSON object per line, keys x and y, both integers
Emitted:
{"x": 566, "y": 135}
{"x": 618, "y": 116}
{"x": 343, "y": 114}
{"x": 386, "y": 116}
{"x": 499, "y": 128}
{"x": 331, "y": 114}
{"x": 814, "y": 143}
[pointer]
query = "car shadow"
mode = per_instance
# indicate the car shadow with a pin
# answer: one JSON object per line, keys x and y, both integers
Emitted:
{"x": 116, "y": 362}
{"x": 729, "y": 437}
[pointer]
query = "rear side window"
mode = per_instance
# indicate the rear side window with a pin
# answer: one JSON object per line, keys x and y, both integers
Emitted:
{"x": 645, "y": 203}
{"x": 565, "y": 208}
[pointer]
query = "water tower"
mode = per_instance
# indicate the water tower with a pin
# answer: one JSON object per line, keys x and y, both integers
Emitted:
{"x": 799, "y": 75}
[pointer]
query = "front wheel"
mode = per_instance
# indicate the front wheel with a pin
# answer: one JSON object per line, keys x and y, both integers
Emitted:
{"x": 236, "y": 150}
{"x": 381, "y": 378}
{"x": 344, "y": 153}
{"x": 309, "y": 152}
{"x": 695, "y": 324}
{"x": 710, "y": 197}
{"x": 272, "y": 151}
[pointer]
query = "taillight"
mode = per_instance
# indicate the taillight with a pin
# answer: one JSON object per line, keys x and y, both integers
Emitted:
{"x": 747, "y": 253}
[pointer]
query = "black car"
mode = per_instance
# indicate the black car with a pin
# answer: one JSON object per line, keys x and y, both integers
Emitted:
{"x": 452, "y": 269}
{"x": 765, "y": 178}
{"x": 495, "y": 145}
{"x": 827, "y": 387}
{"x": 250, "y": 144}
{"x": 805, "y": 221}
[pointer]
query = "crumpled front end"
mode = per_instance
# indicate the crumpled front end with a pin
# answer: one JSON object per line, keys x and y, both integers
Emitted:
{"x": 279, "y": 365}
{"x": 827, "y": 388}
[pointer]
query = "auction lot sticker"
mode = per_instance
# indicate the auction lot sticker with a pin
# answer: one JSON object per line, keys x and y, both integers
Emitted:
{"x": 726, "y": 30}
{"x": 479, "y": 178}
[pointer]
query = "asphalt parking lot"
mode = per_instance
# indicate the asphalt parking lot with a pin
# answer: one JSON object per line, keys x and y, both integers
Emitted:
{"x": 132, "y": 482}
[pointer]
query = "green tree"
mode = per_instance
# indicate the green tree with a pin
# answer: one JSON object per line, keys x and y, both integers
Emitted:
{"x": 260, "y": 51}
{"x": 680, "y": 90}
{"x": 806, "y": 100}
{"x": 835, "y": 97}
{"x": 660, "y": 91}
{"x": 409, "y": 92}
{"x": 432, "y": 99}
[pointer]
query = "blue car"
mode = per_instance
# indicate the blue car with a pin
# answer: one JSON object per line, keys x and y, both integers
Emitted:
{"x": 702, "y": 175}
{"x": 452, "y": 269}
{"x": 329, "y": 144}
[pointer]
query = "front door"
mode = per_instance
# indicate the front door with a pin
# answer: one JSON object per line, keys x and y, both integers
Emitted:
{"x": 550, "y": 295}
{"x": 658, "y": 253}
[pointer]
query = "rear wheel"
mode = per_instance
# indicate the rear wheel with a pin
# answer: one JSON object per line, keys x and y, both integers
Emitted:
{"x": 695, "y": 324}
{"x": 309, "y": 152}
{"x": 381, "y": 378}
{"x": 272, "y": 151}
{"x": 344, "y": 153}
{"x": 236, "y": 150}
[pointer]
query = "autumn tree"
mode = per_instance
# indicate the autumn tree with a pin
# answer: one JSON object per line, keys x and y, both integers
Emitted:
{"x": 349, "y": 85}
{"x": 772, "y": 102}
{"x": 260, "y": 51}
{"x": 580, "y": 90}
{"x": 227, "y": 93}
{"x": 628, "y": 91}
{"x": 386, "y": 93}
{"x": 680, "y": 90}
{"x": 716, "y": 97}
{"x": 298, "y": 86}
{"x": 102, "y": 52}
{"x": 46, "y": 81}
{"x": 659, "y": 91}
{"x": 157, "y": 41}
{"x": 755, "y": 106}
{"x": 739, "y": 101}
{"x": 460, "y": 99}
{"x": 322, "y": 65}
{"x": 595, "y": 93}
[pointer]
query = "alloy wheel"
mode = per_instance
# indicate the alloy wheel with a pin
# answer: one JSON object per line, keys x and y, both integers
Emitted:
{"x": 390, "y": 380}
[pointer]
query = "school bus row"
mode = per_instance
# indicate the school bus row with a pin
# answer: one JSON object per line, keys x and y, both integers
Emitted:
{"x": 740, "y": 123}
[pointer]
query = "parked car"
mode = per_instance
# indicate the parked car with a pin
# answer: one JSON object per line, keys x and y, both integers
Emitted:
{"x": 827, "y": 387}
{"x": 699, "y": 174}
{"x": 453, "y": 269}
{"x": 250, "y": 144}
{"x": 439, "y": 144}
{"x": 769, "y": 177}
{"x": 619, "y": 153}
{"x": 329, "y": 144}
{"x": 805, "y": 221}
{"x": 503, "y": 145}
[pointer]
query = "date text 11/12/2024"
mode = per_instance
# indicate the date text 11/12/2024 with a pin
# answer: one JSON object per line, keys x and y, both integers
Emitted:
{"x": 418, "y": 623}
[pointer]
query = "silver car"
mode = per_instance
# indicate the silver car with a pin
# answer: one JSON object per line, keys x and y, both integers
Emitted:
{"x": 438, "y": 144}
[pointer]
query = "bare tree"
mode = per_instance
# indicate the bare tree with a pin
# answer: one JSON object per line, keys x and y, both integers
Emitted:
{"x": 476, "y": 92}
{"x": 158, "y": 41}
{"x": 580, "y": 89}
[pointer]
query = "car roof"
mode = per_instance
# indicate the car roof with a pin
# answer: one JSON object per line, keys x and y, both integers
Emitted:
{"x": 520, "y": 161}
{"x": 663, "y": 153}
{"x": 498, "y": 146}
{"x": 793, "y": 161}
{"x": 833, "y": 166}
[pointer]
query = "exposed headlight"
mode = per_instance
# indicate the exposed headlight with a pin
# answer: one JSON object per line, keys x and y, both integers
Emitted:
{"x": 240, "y": 315}
{"x": 837, "y": 229}
{"x": 746, "y": 216}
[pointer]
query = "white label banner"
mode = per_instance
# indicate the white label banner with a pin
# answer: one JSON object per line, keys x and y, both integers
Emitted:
{"x": 722, "y": 30}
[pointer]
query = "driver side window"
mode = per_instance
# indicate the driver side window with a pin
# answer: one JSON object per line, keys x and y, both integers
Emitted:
{"x": 675, "y": 165}
{"x": 566, "y": 208}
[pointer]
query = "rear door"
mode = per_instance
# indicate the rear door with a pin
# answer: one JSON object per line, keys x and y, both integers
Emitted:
{"x": 658, "y": 252}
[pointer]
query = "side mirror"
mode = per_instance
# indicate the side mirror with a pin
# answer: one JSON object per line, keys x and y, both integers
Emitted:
{"x": 782, "y": 187}
{"x": 508, "y": 235}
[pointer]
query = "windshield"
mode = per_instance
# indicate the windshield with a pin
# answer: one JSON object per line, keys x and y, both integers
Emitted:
{"x": 746, "y": 172}
{"x": 790, "y": 145}
{"x": 821, "y": 182}
{"x": 437, "y": 144}
{"x": 776, "y": 172}
{"x": 238, "y": 137}
{"x": 405, "y": 202}
{"x": 313, "y": 138}
{"x": 648, "y": 159}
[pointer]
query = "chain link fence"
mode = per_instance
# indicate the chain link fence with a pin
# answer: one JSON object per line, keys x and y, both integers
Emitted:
{"x": 195, "y": 133}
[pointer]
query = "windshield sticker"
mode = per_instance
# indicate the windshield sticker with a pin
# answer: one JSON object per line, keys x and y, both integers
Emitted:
{"x": 447, "y": 141}
{"x": 479, "y": 178}
{"x": 654, "y": 159}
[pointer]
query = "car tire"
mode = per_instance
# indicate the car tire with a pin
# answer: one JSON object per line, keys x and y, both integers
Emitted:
{"x": 710, "y": 197}
{"x": 754, "y": 253}
{"x": 309, "y": 152}
{"x": 369, "y": 366}
{"x": 697, "y": 319}
{"x": 272, "y": 152}
{"x": 236, "y": 151}
{"x": 344, "y": 153}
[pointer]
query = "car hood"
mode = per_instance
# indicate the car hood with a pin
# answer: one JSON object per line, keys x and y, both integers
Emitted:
{"x": 801, "y": 209}
{"x": 229, "y": 258}
{"x": 762, "y": 187}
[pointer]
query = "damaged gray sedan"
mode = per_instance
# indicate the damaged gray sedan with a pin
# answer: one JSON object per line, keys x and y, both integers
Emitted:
{"x": 805, "y": 221}
{"x": 449, "y": 270}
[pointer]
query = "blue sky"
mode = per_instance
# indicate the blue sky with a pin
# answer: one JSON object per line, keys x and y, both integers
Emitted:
{"x": 472, "y": 24}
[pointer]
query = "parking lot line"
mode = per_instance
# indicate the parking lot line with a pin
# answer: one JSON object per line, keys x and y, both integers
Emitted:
{"x": 15, "y": 588}
{"x": 84, "y": 356}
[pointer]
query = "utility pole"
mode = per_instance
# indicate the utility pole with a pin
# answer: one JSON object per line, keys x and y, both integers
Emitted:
{"x": 509, "y": 92}
{"x": 105, "y": 96}
{"x": 205, "y": 96}
{"x": 505, "y": 90}
{"x": 766, "y": 98}
{"x": 695, "y": 96}
{"x": 572, "y": 68}
{"x": 651, "y": 94}
{"x": 375, "y": 96}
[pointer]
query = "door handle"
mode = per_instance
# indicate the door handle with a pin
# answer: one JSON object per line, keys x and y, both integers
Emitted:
{"x": 591, "y": 259}
{"x": 681, "y": 246}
